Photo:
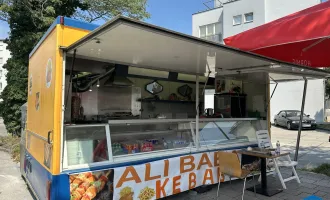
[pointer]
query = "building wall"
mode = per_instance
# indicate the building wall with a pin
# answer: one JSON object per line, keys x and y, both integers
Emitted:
{"x": 280, "y": 8}
{"x": 288, "y": 96}
{"x": 4, "y": 55}
{"x": 204, "y": 18}
{"x": 240, "y": 8}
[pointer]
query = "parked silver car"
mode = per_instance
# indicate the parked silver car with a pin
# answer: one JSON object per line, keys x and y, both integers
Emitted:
{"x": 290, "y": 120}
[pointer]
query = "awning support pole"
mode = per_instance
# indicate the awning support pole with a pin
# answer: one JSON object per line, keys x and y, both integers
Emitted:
{"x": 70, "y": 80}
{"x": 300, "y": 120}
{"x": 197, "y": 113}
{"x": 271, "y": 96}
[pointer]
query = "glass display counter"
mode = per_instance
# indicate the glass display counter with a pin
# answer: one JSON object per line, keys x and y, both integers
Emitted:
{"x": 122, "y": 141}
{"x": 216, "y": 133}
{"x": 86, "y": 144}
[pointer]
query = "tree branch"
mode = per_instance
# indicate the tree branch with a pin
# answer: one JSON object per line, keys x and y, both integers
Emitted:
{"x": 42, "y": 8}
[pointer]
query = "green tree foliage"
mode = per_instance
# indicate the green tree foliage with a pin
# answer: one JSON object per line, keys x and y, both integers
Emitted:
{"x": 28, "y": 20}
{"x": 106, "y": 9}
{"x": 327, "y": 86}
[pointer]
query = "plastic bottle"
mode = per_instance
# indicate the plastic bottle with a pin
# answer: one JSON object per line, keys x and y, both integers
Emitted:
{"x": 278, "y": 147}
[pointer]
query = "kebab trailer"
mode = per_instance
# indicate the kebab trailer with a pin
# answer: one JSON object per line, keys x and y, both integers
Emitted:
{"x": 118, "y": 111}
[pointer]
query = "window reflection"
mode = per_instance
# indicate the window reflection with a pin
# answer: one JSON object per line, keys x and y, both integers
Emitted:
{"x": 214, "y": 133}
{"x": 86, "y": 145}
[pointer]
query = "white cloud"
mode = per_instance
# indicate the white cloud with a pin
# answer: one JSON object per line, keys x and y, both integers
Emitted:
{"x": 4, "y": 29}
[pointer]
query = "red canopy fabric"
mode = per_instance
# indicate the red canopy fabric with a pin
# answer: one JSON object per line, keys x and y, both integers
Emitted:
{"x": 301, "y": 38}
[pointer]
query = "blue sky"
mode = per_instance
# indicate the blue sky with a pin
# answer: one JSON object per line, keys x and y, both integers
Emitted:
{"x": 174, "y": 14}
{"x": 170, "y": 14}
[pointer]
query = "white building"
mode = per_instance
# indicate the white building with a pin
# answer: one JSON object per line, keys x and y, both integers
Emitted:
{"x": 230, "y": 17}
{"x": 4, "y": 55}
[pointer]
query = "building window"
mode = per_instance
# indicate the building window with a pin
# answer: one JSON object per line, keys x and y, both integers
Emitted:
{"x": 0, "y": 86}
{"x": 248, "y": 17}
{"x": 1, "y": 47}
{"x": 210, "y": 32}
{"x": 1, "y": 61}
{"x": 0, "y": 73}
{"x": 237, "y": 20}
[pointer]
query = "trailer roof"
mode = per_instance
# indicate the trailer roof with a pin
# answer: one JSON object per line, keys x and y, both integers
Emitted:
{"x": 135, "y": 43}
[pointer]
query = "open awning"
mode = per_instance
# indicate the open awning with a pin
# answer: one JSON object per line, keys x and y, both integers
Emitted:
{"x": 301, "y": 38}
{"x": 135, "y": 43}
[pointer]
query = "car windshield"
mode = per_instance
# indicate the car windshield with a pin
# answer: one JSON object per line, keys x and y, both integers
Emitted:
{"x": 293, "y": 114}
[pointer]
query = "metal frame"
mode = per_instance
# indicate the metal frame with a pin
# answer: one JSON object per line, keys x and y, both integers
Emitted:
{"x": 300, "y": 120}
{"x": 271, "y": 96}
{"x": 197, "y": 113}
{"x": 65, "y": 156}
{"x": 148, "y": 121}
{"x": 63, "y": 111}
{"x": 109, "y": 145}
{"x": 37, "y": 136}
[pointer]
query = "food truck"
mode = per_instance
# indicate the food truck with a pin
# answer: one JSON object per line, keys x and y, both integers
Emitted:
{"x": 117, "y": 111}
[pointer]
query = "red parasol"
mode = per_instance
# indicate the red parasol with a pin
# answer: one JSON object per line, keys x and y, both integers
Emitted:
{"x": 302, "y": 38}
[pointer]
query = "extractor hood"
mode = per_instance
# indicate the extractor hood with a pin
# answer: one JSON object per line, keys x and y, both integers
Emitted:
{"x": 118, "y": 81}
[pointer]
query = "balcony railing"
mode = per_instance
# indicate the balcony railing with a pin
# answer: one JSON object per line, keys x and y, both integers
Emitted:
{"x": 212, "y": 4}
{"x": 214, "y": 38}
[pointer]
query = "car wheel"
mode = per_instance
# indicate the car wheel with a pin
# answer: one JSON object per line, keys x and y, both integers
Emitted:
{"x": 275, "y": 122}
{"x": 288, "y": 126}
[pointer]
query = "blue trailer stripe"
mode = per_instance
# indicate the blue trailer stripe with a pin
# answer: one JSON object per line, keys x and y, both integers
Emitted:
{"x": 79, "y": 24}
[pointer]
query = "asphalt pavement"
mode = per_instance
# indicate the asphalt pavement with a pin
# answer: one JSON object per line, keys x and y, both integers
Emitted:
{"x": 314, "y": 145}
{"x": 12, "y": 184}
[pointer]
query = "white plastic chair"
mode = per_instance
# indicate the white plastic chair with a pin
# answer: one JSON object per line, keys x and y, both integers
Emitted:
{"x": 263, "y": 136}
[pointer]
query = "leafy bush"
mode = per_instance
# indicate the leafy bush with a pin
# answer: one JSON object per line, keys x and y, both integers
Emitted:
{"x": 322, "y": 169}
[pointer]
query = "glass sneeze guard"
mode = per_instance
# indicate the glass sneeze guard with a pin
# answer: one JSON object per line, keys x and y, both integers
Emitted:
{"x": 86, "y": 145}
{"x": 128, "y": 140}
{"x": 143, "y": 138}
{"x": 216, "y": 133}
